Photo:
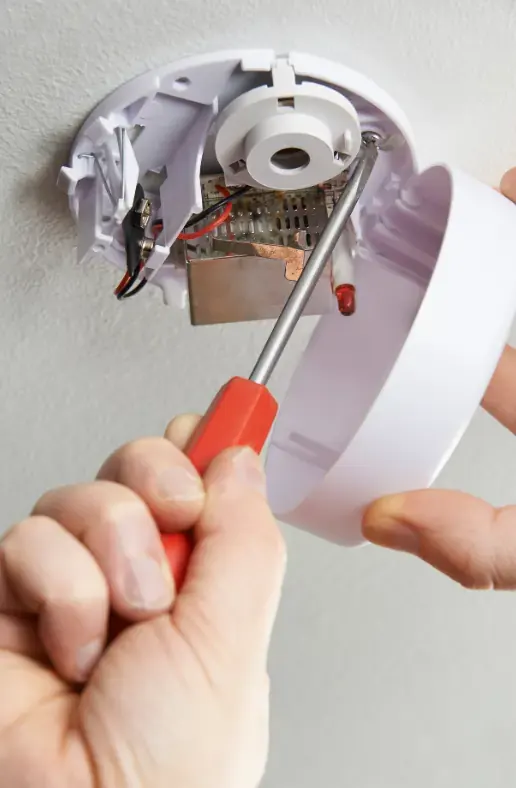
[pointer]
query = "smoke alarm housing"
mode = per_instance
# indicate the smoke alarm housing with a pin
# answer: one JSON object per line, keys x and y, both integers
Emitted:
{"x": 379, "y": 400}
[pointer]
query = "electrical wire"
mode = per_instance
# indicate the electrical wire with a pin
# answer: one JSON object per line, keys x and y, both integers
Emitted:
{"x": 123, "y": 289}
{"x": 134, "y": 233}
{"x": 126, "y": 287}
{"x": 139, "y": 287}
{"x": 123, "y": 283}
{"x": 217, "y": 206}
{"x": 208, "y": 228}
{"x": 229, "y": 197}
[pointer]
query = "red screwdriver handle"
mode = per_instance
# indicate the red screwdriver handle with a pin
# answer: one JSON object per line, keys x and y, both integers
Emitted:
{"x": 242, "y": 414}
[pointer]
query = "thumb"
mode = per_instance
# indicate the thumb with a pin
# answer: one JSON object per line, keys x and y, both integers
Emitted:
{"x": 467, "y": 539}
{"x": 508, "y": 185}
{"x": 232, "y": 589}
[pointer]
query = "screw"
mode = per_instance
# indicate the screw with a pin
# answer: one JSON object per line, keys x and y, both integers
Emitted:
{"x": 374, "y": 138}
{"x": 146, "y": 248}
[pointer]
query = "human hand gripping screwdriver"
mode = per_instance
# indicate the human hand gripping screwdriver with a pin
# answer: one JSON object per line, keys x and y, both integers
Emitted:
{"x": 243, "y": 412}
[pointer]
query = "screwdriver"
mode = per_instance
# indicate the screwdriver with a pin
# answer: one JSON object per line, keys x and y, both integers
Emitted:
{"x": 243, "y": 412}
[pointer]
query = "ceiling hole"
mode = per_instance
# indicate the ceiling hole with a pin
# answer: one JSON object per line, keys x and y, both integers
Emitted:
{"x": 290, "y": 159}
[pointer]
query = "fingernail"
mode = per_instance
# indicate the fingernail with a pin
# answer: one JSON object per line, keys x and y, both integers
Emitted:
{"x": 148, "y": 585}
{"x": 241, "y": 468}
{"x": 88, "y": 656}
{"x": 179, "y": 484}
{"x": 384, "y": 526}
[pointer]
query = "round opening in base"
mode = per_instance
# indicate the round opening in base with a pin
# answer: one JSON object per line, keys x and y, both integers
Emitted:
{"x": 290, "y": 159}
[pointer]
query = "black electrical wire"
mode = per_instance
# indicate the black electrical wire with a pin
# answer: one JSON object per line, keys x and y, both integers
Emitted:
{"x": 130, "y": 282}
{"x": 139, "y": 287}
{"x": 133, "y": 236}
{"x": 133, "y": 233}
{"x": 198, "y": 217}
{"x": 214, "y": 208}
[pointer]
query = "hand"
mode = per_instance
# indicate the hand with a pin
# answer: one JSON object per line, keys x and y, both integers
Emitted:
{"x": 463, "y": 537}
{"x": 180, "y": 696}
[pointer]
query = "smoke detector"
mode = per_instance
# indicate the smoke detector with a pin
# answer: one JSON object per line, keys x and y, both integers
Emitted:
{"x": 212, "y": 178}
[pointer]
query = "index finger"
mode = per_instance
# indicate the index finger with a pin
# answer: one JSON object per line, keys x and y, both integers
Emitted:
{"x": 231, "y": 593}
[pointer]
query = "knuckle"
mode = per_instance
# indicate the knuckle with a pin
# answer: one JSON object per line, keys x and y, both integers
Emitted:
{"x": 138, "y": 455}
{"x": 178, "y": 422}
{"x": 474, "y": 572}
{"x": 179, "y": 430}
{"x": 51, "y": 501}
{"x": 476, "y": 584}
{"x": 23, "y": 531}
{"x": 470, "y": 583}
{"x": 133, "y": 452}
{"x": 109, "y": 515}
{"x": 124, "y": 462}
{"x": 114, "y": 514}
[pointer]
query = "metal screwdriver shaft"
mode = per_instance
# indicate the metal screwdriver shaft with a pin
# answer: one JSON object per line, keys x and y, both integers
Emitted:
{"x": 244, "y": 410}
{"x": 306, "y": 283}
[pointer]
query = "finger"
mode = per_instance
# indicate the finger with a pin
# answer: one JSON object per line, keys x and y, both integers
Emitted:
{"x": 180, "y": 429}
{"x": 467, "y": 539}
{"x": 120, "y": 532}
{"x": 163, "y": 477}
{"x": 232, "y": 589}
{"x": 55, "y": 577}
{"x": 19, "y": 636}
{"x": 500, "y": 397}
{"x": 508, "y": 185}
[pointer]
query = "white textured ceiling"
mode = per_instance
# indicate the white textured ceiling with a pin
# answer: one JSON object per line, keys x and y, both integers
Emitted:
{"x": 384, "y": 675}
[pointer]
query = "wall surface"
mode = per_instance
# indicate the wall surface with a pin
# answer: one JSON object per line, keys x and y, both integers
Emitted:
{"x": 384, "y": 674}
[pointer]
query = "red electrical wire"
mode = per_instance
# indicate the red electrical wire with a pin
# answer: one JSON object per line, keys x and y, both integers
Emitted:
{"x": 125, "y": 279}
{"x": 123, "y": 282}
{"x": 208, "y": 228}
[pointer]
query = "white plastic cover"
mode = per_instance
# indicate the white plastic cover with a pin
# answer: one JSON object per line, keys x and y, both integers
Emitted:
{"x": 380, "y": 401}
